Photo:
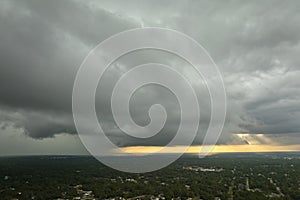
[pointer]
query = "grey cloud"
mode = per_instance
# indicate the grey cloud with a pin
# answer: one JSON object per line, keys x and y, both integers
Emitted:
{"x": 42, "y": 47}
{"x": 255, "y": 44}
{"x": 36, "y": 124}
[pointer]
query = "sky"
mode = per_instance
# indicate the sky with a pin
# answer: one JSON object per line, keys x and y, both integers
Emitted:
{"x": 255, "y": 44}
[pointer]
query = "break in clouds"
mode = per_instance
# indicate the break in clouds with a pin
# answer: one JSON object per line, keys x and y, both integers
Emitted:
{"x": 255, "y": 45}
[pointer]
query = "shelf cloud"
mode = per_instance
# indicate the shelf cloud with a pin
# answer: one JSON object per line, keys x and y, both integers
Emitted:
{"x": 255, "y": 44}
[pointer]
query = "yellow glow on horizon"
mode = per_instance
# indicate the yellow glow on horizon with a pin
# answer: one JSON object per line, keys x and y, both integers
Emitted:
{"x": 216, "y": 149}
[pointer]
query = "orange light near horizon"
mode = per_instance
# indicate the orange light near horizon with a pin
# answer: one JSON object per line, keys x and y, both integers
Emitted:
{"x": 216, "y": 149}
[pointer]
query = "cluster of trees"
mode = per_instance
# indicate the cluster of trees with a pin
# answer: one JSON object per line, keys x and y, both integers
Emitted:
{"x": 48, "y": 177}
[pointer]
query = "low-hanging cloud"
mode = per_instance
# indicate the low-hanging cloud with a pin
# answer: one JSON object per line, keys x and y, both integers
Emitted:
{"x": 255, "y": 44}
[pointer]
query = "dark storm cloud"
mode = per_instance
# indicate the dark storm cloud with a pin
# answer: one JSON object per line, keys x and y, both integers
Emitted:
{"x": 35, "y": 124}
{"x": 42, "y": 46}
{"x": 255, "y": 44}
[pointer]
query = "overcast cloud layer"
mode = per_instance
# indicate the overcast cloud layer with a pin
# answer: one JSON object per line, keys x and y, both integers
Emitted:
{"x": 255, "y": 44}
